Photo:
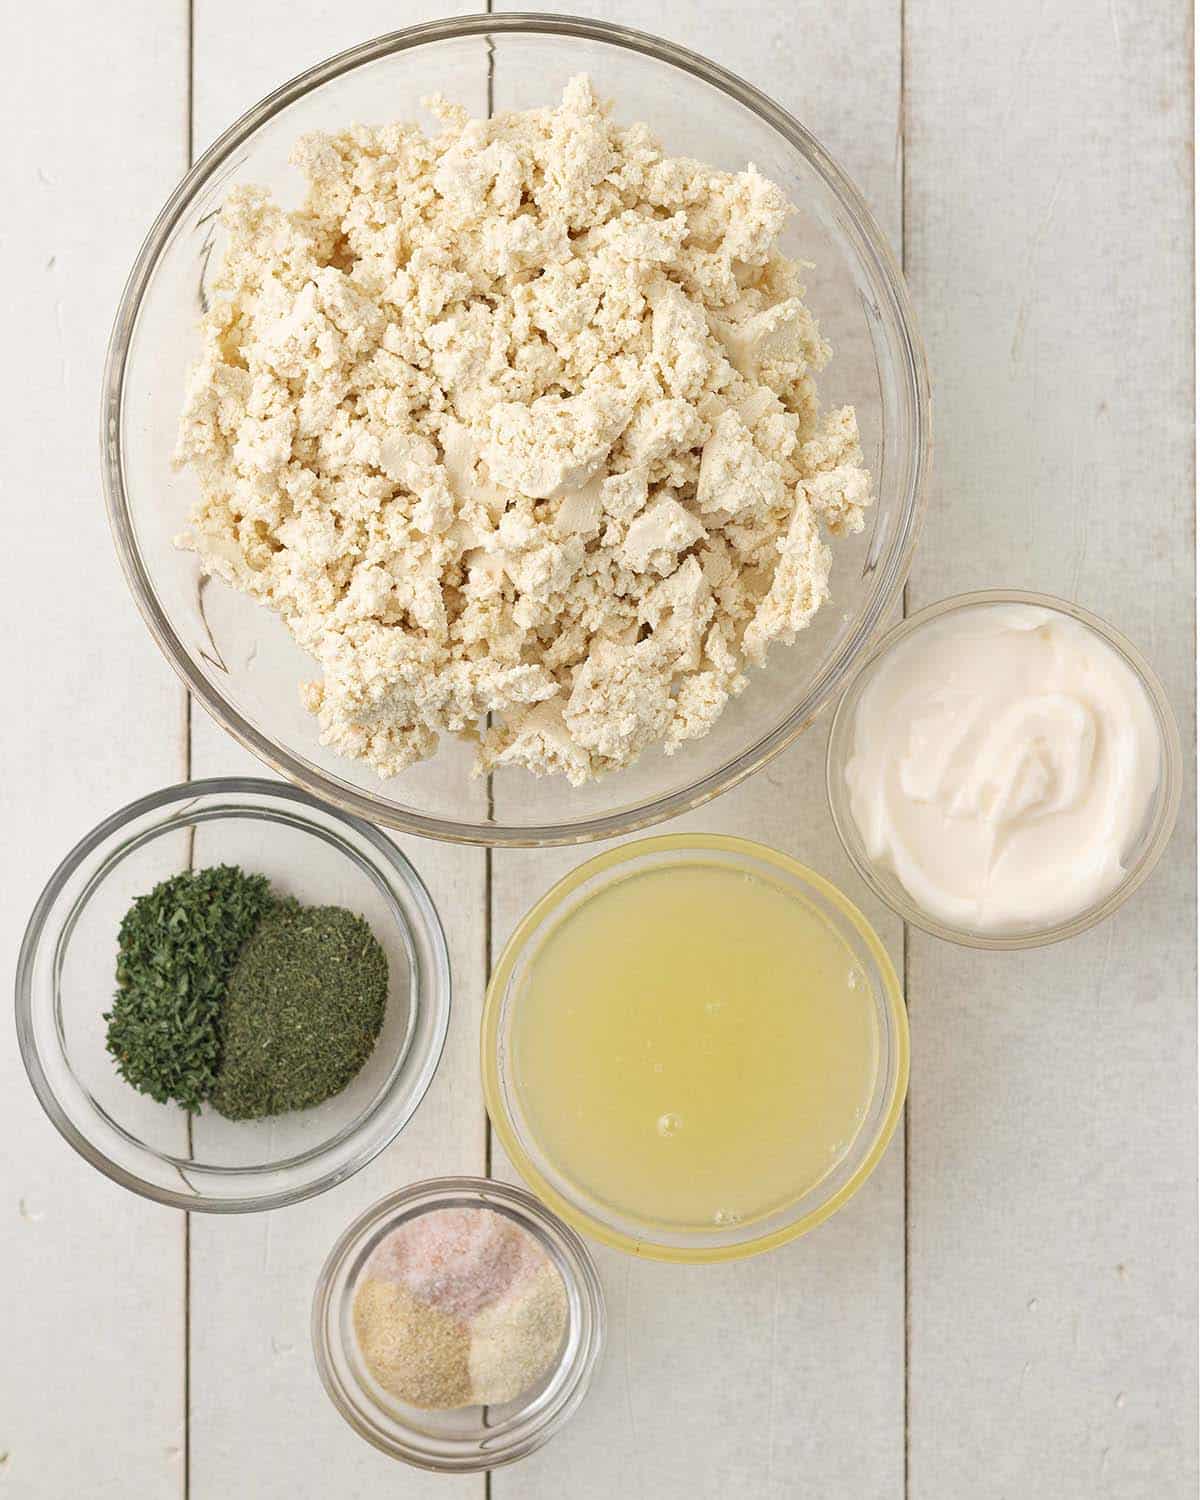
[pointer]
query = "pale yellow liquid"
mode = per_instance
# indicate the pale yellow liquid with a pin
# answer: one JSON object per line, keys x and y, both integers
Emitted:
{"x": 694, "y": 1046}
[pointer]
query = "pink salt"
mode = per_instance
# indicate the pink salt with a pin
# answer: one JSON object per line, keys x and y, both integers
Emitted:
{"x": 459, "y": 1260}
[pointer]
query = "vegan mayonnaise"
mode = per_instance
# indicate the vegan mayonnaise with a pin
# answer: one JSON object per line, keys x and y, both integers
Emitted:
{"x": 1003, "y": 764}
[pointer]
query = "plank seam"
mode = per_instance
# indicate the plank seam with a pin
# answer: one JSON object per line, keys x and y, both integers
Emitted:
{"x": 906, "y": 1471}
{"x": 491, "y": 800}
{"x": 190, "y": 151}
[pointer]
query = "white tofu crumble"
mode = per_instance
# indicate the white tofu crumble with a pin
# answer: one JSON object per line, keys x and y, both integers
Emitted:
{"x": 518, "y": 420}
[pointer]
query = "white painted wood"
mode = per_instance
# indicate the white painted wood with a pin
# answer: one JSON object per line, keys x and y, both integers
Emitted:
{"x": 781, "y": 1376}
{"x": 260, "y": 1423}
{"x": 1052, "y": 1116}
{"x": 772, "y": 1377}
{"x": 1052, "y": 1286}
{"x": 93, "y": 1277}
{"x": 242, "y": 52}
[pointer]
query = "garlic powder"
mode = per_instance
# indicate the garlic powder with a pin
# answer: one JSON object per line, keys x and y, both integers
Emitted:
{"x": 518, "y": 420}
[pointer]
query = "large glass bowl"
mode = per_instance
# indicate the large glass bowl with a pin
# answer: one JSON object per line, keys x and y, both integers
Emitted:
{"x": 238, "y": 658}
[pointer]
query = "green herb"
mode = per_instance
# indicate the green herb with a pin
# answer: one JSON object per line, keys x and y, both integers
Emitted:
{"x": 303, "y": 1008}
{"x": 176, "y": 946}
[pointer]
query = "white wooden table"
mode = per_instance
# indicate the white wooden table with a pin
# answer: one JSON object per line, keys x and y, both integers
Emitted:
{"x": 1009, "y": 1308}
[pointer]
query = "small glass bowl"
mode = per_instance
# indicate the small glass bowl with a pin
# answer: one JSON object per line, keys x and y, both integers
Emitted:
{"x": 474, "y": 1437}
{"x": 65, "y": 982}
{"x": 1141, "y": 858}
{"x": 720, "y": 1242}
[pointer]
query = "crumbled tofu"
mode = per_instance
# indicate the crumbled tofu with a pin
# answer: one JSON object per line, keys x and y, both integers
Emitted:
{"x": 556, "y": 443}
{"x": 655, "y": 540}
{"x": 734, "y": 475}
{"x": 516, "y": 425}
{"x": 799, "y": 587}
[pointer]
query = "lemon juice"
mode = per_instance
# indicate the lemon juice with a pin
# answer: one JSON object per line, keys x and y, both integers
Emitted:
{"x": 693, "y": 1045}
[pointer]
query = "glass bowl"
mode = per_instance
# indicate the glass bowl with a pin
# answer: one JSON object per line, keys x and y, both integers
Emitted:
{"x": 1139, "y": 860}
{"x": 237, "y": 656}
{"x": 65, "y": 982}
{"x": 736, "y": 1238}
{"x": 474, "y": 1437}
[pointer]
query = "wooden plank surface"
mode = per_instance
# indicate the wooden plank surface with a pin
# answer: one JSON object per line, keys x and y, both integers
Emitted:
{"x": 93, "y": 1276}
{"x": 261, "y": 1425}
{"x": 1052, "y": 1108}
{"x": 1049, "y": 1284}
{"x": 781, "y": 1376}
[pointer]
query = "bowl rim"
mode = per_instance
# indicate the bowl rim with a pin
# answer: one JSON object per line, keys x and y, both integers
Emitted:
{"x": 913, "y": 391}
{"x": 889, "y": 890}
{"x": 567, "y": 1249}
{"x": 440, "y": 996}
{"x": 894, "y": 1054}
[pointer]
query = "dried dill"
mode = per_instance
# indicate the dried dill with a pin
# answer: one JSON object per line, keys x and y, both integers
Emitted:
{"x": 303, "y": 1008}
{"x": 175, "y": 949}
